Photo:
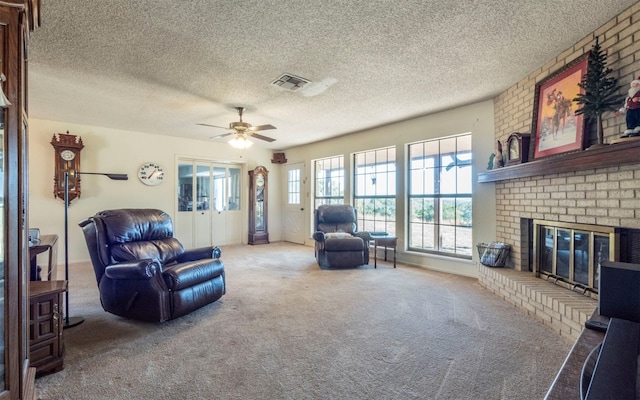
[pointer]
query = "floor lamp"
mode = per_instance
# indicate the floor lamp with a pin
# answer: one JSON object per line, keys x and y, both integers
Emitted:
{"x": 70, "y": 322}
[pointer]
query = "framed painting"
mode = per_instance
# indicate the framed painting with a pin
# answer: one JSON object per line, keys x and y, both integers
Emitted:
{"x": 556, "y": 129}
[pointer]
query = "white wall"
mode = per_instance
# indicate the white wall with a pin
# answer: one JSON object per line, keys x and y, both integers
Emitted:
{"x": 477, "y": 119}
{"x": 117, "y": 151}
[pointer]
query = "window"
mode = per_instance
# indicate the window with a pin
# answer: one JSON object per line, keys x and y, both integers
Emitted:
{"x": 234, "y": 188}
{"x": 216, "y": 187}
{"x": 329, "y": 181}
{"x": 375, "y": 190}
{"x": 440, "y": 183}
{"x": 293, "y": 192}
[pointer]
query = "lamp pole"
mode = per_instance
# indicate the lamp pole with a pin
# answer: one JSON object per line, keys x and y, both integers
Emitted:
{"x": 70, "y": 322}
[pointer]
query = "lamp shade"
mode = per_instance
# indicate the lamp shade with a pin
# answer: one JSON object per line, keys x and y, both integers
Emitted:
{"x": 240, "y": 142}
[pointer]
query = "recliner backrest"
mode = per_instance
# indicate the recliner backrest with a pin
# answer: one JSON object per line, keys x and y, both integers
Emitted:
{"x": 136, "y": 234}
{"x": 336, "y": 218}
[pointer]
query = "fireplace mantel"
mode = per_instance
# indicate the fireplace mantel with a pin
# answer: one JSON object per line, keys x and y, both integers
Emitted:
{"x": 592, "y": 158}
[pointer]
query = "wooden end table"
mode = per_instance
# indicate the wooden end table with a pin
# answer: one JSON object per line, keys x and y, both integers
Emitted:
{"x": 47, "y": 243}
{"x": 46, "y": 340}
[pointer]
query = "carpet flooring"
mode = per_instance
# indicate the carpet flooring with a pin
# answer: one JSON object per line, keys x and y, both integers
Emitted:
{"x": 287, "y": 329}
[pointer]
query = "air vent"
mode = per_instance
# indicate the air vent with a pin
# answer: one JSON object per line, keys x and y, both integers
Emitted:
{"x": 290, "y": 82}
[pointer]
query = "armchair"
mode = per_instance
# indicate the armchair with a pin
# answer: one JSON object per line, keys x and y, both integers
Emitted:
{"x": 143, "y": 272}
{"x": 338, "y": 244}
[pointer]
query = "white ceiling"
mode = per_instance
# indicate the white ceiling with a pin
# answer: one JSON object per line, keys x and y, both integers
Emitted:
{"x": 163, "y": 66}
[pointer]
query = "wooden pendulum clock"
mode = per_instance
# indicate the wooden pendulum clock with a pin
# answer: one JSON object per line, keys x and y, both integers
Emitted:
{"x": 67, "y": 159}
{"x": 258, "y": 184}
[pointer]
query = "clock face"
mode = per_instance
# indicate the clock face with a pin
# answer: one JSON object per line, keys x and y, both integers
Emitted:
{"x": 260, "y": 180}
{"x": 151, "y": 174}
{"x": 67, "y": 155}
{"x": 514, "y": 149}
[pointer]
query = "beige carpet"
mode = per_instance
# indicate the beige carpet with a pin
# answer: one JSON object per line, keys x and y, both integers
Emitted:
{"x": 287, "y": 329}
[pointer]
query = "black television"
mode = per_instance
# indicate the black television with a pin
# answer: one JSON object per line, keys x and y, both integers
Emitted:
{"x": 619, "y": 290}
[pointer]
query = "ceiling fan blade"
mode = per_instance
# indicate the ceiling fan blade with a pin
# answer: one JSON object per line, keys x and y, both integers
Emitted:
{"x": 214, "y": 126}
{"x": 262, "y": 127}
{"x": 261, "y": 137}
{"x": 222, "y": 135}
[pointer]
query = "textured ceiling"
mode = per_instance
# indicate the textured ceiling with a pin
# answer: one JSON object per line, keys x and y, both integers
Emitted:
{"x": 163, "y": 66}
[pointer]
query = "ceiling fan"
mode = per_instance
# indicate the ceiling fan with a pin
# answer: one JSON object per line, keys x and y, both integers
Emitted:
{"x": 243, "y": 129}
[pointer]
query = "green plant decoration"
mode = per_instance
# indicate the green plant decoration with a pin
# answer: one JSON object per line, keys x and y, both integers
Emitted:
{"x": 601, "y": 90}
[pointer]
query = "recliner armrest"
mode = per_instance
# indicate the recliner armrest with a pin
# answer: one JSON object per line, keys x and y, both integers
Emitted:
{"x": 191, "y": 273}
{"x": 200, "y": 253}
{"x": 319, "y": 236}
{"x": 143, "y": 269}
{"x": 364, "y": 235}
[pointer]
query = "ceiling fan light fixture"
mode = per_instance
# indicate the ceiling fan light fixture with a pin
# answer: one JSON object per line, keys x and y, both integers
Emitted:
{"x": 239, "y": 126}
{"x": 240, "y": 142}
{"x": 242, "y": 131}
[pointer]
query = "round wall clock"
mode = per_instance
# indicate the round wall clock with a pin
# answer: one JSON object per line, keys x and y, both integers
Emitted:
{"x": 151, "y": 174}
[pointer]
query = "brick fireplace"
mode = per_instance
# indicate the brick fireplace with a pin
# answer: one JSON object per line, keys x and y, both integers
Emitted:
{"x": 598, "y": 186}
{"x": 561, "y": 297}
{"x": 608, "y": 196}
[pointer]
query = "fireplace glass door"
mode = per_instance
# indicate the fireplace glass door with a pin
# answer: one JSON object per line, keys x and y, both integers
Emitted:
{"x": 570, "y": 254}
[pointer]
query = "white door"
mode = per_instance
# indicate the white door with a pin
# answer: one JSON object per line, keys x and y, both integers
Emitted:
{"x": 294, "y": 212}
{"x": 226, "y": 215}
{"x": 234, "y": 213}
{"x": 201, "y": 206}
{"x": 208, "y": 204}
{"x": 183, "y": 224}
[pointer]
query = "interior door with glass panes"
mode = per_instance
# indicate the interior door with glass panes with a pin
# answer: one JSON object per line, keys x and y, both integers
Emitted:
{"x": 209, "y": 210}
{"x": 294, "y": 213}
{"x": 232, "y": 213}
{"x": 201, "y": 207}
{"x": 183, "y": 222}
{"x": 226, "y": 218}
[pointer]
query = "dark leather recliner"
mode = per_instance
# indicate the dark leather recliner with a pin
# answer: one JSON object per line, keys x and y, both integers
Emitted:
{"x": 143, "y": 272}
{"x": 338, "y": 244}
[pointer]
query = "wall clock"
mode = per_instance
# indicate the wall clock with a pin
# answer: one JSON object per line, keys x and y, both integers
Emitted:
{"x": 67, "y": 159}
{"x": 151, "y": 174}
{"x": 518, "y": 148}
{"x": 258, "y": 200}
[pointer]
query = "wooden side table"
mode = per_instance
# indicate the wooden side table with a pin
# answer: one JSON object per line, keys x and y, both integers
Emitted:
{"x": 47, "y": 243}
{"x": 46, "y": 340}
{"x": 386, "y": 242}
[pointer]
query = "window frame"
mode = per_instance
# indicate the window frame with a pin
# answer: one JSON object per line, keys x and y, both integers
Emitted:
{"x": 319, "y": 198}
{"x": 379, "y": 215}
{"x": 461, "y": 196}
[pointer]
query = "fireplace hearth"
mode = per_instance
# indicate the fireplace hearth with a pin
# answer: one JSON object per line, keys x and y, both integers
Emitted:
{"x": 551, "y": 297}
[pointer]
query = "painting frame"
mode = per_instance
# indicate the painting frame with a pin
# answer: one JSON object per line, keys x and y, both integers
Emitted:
{"x": 555, "y": 127}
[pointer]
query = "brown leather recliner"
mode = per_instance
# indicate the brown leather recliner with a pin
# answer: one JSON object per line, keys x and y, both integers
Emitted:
{"x": 338, "y": 242}
{"x": 143, "y": 272}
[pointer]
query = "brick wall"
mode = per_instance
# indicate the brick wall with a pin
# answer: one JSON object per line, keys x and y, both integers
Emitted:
{"x": 608, "y": 196}
{"x": 562, "y": 310}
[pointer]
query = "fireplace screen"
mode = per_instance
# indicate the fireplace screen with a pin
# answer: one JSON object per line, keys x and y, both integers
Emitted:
{"x": 570, "y": 254}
